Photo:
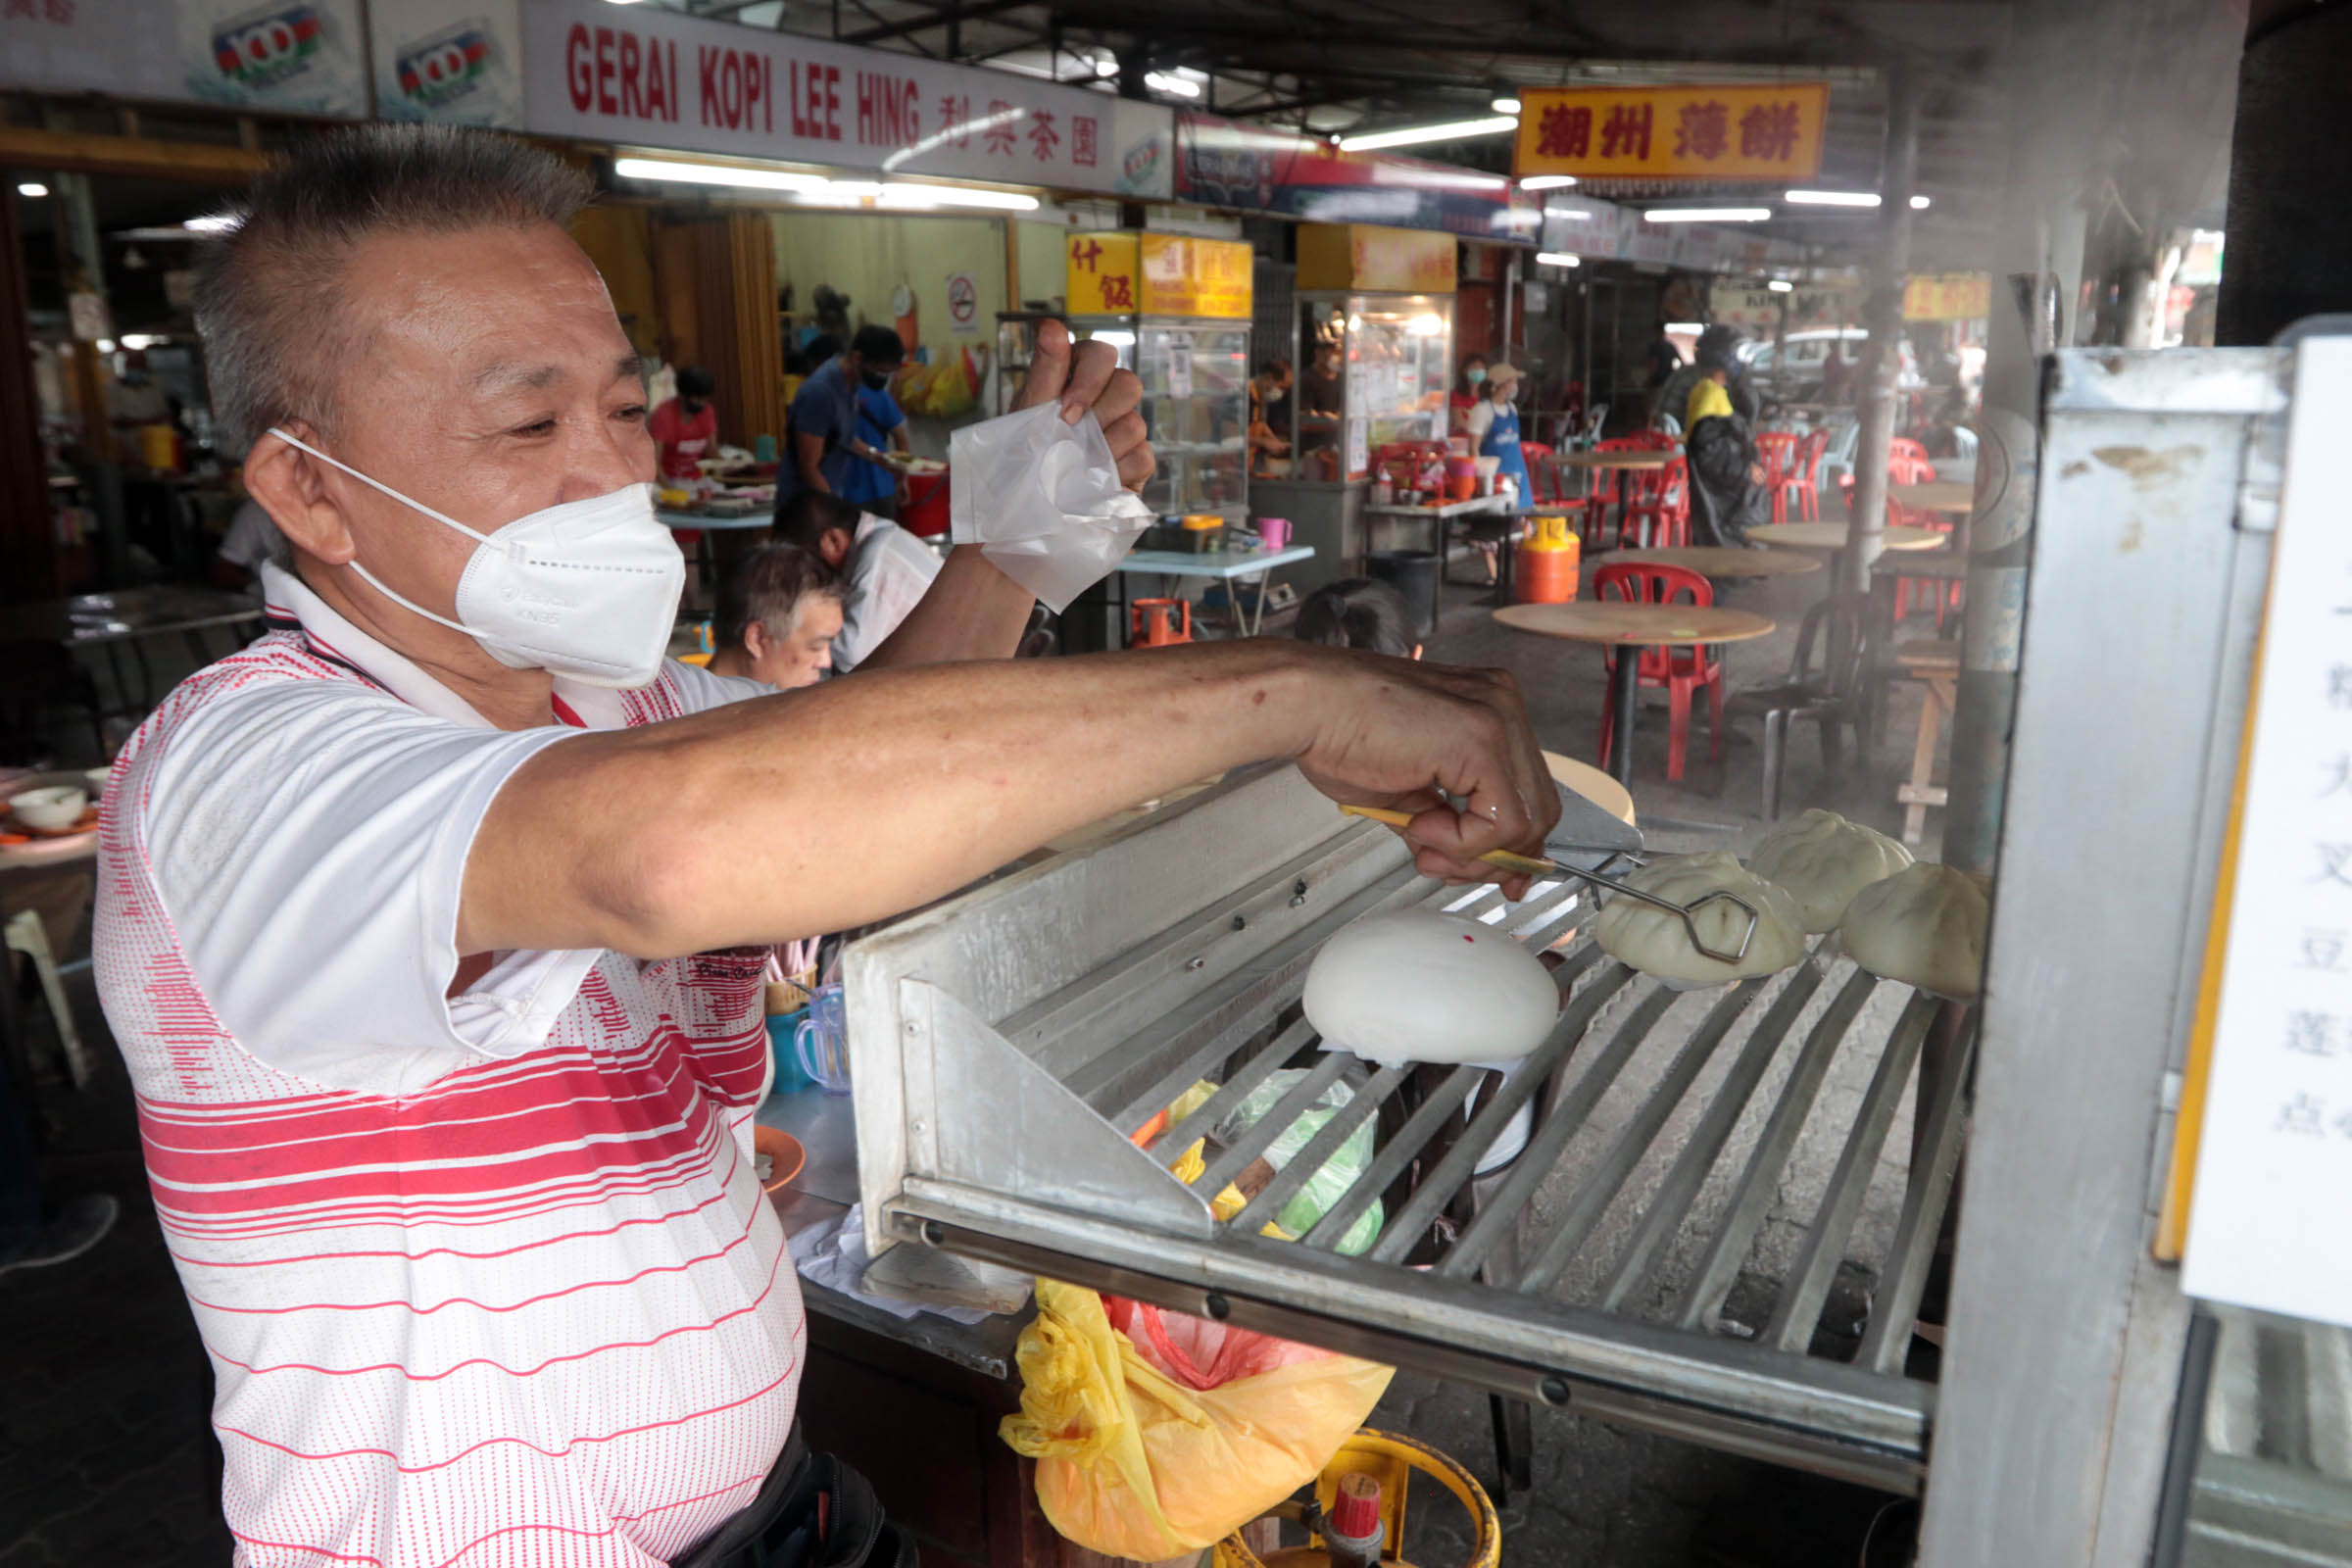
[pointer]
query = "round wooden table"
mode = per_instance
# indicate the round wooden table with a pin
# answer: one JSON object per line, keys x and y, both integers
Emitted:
{"x": 1616, "y": 624}
{"x": 1592, "y": 784}
{"x": 1716, "y": 560}
{"x": 1831, "y": 536}
{"x": 1955, "y": 496}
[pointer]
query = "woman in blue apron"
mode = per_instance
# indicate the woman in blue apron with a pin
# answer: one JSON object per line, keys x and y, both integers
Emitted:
{"x": 1492, "y": 426}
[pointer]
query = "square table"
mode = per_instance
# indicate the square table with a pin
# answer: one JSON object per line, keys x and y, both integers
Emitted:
{"x": 1229, "y": 567}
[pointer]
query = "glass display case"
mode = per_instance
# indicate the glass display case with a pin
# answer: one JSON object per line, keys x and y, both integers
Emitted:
{"x": 1195, "y": 378}
{"x": 1374, "y": 370}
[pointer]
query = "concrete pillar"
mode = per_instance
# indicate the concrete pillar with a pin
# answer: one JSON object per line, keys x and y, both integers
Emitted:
{"x": 2289, "y": 227}
{"x": 2037, "y": 274}
{"x": 1883, "y": 314}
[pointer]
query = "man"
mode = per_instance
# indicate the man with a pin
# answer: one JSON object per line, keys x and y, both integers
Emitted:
{"x": 881, "y": 426}
{"x": 825, "y": 446}
{"x": 430, "y": 924}
{"x": 1726, "y": 474}
{"x": 779, "y": 613}
{"x": 134, "y": 399}
{"x": 685, "y": 429}
{"x": 885, "y": 570}
{"x": 1269, "y": 416}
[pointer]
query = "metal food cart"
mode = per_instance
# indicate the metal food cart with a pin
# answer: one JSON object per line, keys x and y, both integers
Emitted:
{"x": 1008, "y": 1043}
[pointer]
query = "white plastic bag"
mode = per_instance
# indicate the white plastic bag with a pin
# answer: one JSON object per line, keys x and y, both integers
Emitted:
{"x": 1042, "y": 501}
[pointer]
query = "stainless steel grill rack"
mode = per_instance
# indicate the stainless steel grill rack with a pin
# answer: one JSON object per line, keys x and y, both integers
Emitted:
{"x": 1008, "y": 1044}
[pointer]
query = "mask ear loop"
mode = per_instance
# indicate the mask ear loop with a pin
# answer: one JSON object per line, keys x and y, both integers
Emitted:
{"x": 370, "y": 578}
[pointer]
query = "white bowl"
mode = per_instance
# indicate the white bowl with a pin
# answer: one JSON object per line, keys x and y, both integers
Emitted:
{"x": 51, "y": 810}
{"x": 98, "y": 778}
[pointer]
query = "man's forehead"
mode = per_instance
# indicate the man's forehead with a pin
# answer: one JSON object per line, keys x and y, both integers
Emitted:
{"x": 496, "y": 301}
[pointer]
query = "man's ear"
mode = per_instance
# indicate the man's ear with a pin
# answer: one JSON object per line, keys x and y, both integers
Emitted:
{"x": 290, "y": 484}
{"x": 754, "y": 640}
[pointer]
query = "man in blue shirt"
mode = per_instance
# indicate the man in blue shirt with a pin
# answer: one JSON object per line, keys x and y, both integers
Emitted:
{"x": 881, "y": 423}
{"x": 825, "y": 447}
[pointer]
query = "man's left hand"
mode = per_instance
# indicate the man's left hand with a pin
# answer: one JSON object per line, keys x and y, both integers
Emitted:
{"x": 1086, "y": 376}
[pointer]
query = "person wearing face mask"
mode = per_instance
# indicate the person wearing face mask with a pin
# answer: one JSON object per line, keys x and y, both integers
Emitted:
{"x": 685, "y": 429}
{"x": 779, "y": 613}
{"x": 1492, "y": 426}
{"x": 432, "y": 925}
{"x": 1469, "y": 390}
{"x": 825, "y": 448}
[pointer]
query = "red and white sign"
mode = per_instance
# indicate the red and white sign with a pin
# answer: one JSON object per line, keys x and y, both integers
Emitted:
{"x": 655, "y": 78}
{"x": 963, "y": 303}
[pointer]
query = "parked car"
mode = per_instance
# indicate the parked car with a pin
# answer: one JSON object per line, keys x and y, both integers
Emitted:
{"x": 1799, "y": 380}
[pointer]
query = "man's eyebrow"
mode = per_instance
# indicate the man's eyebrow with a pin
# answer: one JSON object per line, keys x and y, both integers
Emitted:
{"x": 508, "y": 374}
{"x": 630, "y": 368}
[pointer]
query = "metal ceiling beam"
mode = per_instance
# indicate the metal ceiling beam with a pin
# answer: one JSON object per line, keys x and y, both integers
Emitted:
{"x": 940, "y": 18}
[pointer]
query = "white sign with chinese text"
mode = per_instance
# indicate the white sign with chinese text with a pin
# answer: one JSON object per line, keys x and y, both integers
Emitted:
{"x": 2272, "y": 1201}
{"x": 635, "y": 75}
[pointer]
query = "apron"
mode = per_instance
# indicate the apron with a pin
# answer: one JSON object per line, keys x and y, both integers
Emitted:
{"x": 1502, "y": 440}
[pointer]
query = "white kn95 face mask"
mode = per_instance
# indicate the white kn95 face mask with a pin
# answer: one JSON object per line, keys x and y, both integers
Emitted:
{"x": 584, "y": 589}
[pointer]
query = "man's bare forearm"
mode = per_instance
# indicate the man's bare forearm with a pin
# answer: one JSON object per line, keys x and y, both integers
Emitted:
{"x": 971, "y": 610}
{"x": 822, "y": 810}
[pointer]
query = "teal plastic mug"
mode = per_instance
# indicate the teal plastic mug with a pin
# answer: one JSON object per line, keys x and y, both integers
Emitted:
{"x": 822, "y": 1041}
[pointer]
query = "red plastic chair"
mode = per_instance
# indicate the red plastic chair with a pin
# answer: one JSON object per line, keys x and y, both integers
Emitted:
{"x": 1778, "y": 450}
{"x": 1605, "y": 488}
{"x": 1681, "y": 671}
{"x": 1805, "y": 481}
{"x": 1660, "y": 507}
{"x": 1542, "y": 476}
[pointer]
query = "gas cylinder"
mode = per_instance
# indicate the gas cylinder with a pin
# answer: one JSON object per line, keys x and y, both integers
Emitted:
{"x": 1547, "y": 569}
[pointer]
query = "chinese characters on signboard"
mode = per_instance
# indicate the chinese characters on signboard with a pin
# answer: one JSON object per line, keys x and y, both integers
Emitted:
{"x": 1771, "y": 132}
{"x": 2273, "y": 1197}
{"x": 656, "y": 78}
{"x": 1947, "y": 297}
{"x": 1104, "y": 275}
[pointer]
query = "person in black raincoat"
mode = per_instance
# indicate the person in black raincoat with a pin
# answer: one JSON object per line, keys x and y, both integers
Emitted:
{"x": 1726, "y": 479}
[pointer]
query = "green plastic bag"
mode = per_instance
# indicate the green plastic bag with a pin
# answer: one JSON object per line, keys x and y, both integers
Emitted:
{"x": 1327, "y": 1185}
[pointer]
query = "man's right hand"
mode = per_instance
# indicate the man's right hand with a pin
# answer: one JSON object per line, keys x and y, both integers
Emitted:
{"x": 1417, "y": 737}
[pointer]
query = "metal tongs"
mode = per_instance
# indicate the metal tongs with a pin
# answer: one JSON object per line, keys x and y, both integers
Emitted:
{"x": 1535, "y": 865}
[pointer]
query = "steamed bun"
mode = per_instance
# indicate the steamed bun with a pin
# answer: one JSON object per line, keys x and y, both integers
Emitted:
{"x": 1823, "y": 861}
{"x": 1925, "y": 927}
{"x": 1654, "y": 941}
{"x": 1417, "y": 986}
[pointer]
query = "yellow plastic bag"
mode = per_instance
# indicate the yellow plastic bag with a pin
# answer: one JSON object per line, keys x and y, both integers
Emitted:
{"x": 1132, "y": 1463}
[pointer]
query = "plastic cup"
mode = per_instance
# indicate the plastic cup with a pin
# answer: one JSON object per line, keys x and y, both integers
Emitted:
{"x": 821, "y": 1040}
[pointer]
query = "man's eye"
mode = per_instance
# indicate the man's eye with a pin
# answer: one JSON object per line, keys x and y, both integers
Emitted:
{"x": 536, "y": 427}
{"x": 634, "y": 412}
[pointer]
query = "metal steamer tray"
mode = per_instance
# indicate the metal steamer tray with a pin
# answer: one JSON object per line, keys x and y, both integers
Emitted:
{"x": 1006, "y": 1044}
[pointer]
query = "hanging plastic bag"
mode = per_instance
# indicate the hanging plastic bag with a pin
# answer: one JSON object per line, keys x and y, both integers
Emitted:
{"x": 1131, "y": 1462}
{"x": 1043, "y": 499}
{"x": 1327, "y": 1185}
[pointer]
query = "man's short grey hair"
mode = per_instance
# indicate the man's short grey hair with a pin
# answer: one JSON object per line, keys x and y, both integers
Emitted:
{"x": 269, "y": 297}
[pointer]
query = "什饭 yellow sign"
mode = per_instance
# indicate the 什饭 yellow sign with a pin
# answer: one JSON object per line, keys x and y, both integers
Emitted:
{"x": 1104, "y": 275}
{"x": 1745, "y": 133}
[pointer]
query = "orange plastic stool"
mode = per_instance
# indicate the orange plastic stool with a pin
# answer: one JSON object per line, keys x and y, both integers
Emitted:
{"x": 1159, "y": 623}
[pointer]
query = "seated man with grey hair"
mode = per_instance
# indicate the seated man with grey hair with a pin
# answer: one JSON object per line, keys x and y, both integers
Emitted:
{"x": 431, "y": 924}
{"x": 779, "y": 613}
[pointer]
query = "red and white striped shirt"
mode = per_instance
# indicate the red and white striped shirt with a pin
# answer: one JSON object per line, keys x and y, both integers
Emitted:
{"x": 486, "y": 1279}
